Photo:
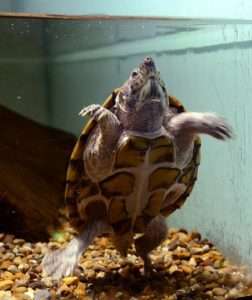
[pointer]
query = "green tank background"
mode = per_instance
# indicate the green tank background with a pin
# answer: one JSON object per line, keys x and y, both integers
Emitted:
{"x": 57, "y": 67}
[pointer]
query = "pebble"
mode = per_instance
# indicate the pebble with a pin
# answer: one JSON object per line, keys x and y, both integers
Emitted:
{"x": 6, "y": 284}
{"x": 42, "y": 294}
{"x": 63, "y": 290}
{"x": 6, "y": 295}
{"x": 19, "y": 289}
{"x": 12, "y": 269}
{"x": 80, "y": 291}
{"x": 23, "y": 281}
{"x": 25, "y": 249}
{"x": 18, "y": 241}
{"x": 101, "y": 275}
{"x": 29, "y": 294}
{"x": 47, "y": 281}
{"x": 119, "y": 295}
{"x": 70, "y": 280}
{"x": 219, "y": 291}
{"x": 23, "y": 267}
{"x": 183, "y": 264}
{"x": 173, "y": 269}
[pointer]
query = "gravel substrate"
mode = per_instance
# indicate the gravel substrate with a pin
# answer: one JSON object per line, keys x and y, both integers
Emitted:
{"x": 185, "y": 268}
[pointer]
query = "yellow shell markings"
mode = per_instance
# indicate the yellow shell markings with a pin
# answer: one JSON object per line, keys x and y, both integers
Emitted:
{"x": 130, "y": 200}
{"x": 188, "y": 178}
{"x": 144, "y": 170}
{"x": 154, "y": 204}
{"x": 74, "y": 174}
{"x": 131, "y": 152}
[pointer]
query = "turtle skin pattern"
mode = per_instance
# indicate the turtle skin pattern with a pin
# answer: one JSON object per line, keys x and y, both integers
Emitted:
{"x": 161, "y": 197}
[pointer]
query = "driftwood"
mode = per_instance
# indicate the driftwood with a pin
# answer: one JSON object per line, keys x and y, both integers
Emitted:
{"x": 33, "y": 160}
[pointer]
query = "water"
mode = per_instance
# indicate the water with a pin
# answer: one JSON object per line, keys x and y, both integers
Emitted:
{"x": 50, "y": 69}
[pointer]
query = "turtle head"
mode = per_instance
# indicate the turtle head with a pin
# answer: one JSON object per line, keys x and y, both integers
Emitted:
{"x": 143, "y": 97}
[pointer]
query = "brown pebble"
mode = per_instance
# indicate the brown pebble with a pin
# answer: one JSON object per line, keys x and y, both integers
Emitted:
{"x": 12, "y": 269}
{"x": 173, "y": 244}
{"x": 19, "y": 289}
{"x": 6, "y": 284}
{"x": 37, "y": 284}
{"x": 80, "y": 291}
{"x": 6, "y": 264}
{"x": 100, "y": 275}
{"x": 173, "y": 269}
{"x": 187, "y": 269}
{"x": 119, "y": 295}
{"x": 70, "y": 280}
{"x": 219, "y": 291}
{"x": 233, "y": 294}
{"x": 7, "y": 275}
{"x": 23, "y": 267}
{"x": 184, "y": 264}
{"x": 22, "y": 282}
{"x": 18, "y": 241}
{"x": 63, "y": 290}
{"x": 47, "y": 281}
{"x": 8, "y": 256}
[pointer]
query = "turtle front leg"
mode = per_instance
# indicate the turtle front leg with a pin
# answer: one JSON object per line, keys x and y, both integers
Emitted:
{"x": 100, "y": 148}
{"x": 186, "y": 126}
{"x": 154, "y": 235}
{"x": 62, "y": 262}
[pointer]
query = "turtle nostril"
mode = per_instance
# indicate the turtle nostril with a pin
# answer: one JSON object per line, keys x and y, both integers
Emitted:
{"x": 148, "y": 62}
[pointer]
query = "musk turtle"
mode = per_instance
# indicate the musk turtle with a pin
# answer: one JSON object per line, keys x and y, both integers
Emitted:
{"x": 135, "y": 162}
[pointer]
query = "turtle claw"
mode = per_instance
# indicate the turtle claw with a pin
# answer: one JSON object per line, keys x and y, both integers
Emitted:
{"x": 90, "y": 110}
{"x": 217, "y": 127}
{"x": 191, "y": 123}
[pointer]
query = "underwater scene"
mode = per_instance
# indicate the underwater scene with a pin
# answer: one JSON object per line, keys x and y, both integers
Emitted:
{"x": 124, "y": 158}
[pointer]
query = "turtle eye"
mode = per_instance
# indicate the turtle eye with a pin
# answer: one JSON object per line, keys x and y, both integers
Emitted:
{"x": 134, "y": 74}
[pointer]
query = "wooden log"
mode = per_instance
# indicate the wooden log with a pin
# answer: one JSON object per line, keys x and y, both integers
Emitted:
{"x": 33, "y": 161}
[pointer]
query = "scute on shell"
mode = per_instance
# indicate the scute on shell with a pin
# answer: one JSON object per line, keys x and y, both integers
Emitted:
{"x": 118, "y": 186}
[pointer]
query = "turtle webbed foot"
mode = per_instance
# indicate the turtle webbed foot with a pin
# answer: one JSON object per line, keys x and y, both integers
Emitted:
{"x": 60, "y": 263}
{"x": 188, "y": 124}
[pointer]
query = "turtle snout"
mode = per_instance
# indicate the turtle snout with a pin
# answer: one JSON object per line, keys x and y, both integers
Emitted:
{"x": 149, "y": 63}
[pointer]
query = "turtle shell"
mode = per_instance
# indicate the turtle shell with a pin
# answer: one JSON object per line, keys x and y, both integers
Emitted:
{"x": 163, "y": 183}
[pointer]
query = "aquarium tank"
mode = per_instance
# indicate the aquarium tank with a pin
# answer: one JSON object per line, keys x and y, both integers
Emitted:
{"x": 51, "y": 67}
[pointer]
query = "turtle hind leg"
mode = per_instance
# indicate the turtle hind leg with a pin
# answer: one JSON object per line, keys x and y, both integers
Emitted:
{"x": 122, "y": 242}
{"x": 62, "y": 262}
{"x": 154, "y": 234}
